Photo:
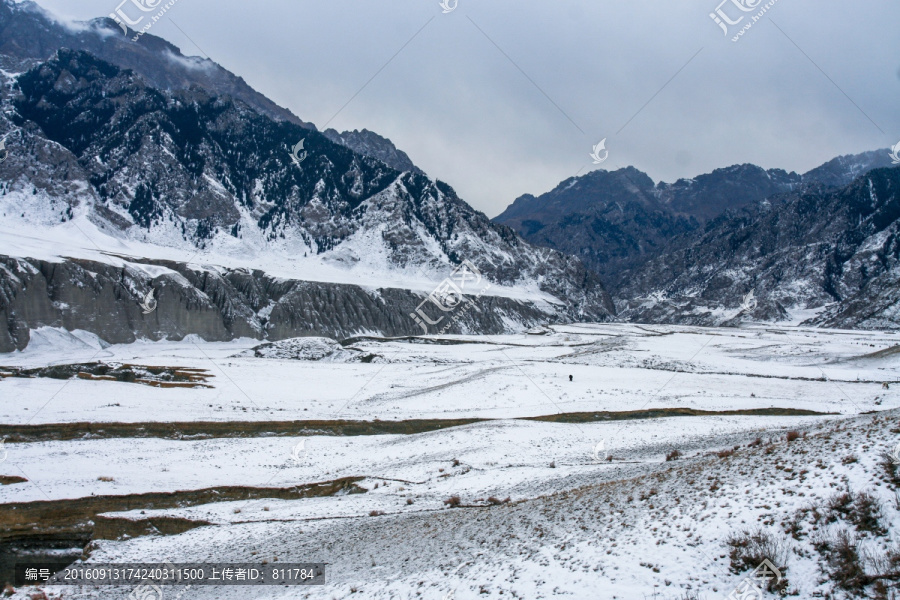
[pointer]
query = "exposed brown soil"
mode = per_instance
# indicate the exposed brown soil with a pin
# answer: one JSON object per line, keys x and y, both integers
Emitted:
{"x": 219, "y": 429}
{"x": 78, "y": 516}
{"x": 146, "y": 375}
{"x": 59, "y": 531}
{"x": 656, "y": 413}
{"x": 10, "y": 479}
{"x": 249, "y": 429}
{"x": 108, "y": 527}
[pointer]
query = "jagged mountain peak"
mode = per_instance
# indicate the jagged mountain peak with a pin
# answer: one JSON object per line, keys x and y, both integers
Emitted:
{"x": 842, "y": 170}
{"x": 369, "y": 143}
{"x": 708, "y": 195}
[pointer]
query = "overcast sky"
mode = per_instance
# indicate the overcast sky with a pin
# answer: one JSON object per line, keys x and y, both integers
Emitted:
{"x": 503, "y": 98}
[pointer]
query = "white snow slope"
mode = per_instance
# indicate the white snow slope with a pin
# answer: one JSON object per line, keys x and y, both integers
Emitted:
{"x": 577, "y": 526}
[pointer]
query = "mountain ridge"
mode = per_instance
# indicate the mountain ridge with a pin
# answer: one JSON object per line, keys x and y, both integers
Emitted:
{"x": 369, "y": 143}
{"x": 617, "y": 220}
{"x": 833, "y": 251}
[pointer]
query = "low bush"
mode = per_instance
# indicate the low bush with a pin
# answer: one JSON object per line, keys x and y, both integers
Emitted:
{"x": 842, "y": 560}
{"x": 891, "y": 468}
{"x": 862, "y": 510}
{"x": 749, "y": 548}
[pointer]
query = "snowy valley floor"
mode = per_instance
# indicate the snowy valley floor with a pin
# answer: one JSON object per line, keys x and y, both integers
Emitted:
{"x": 594, "y": 510}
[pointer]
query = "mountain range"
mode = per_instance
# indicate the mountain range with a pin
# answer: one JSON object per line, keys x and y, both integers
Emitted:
{"x": 133, "y": 168}
{"x": 613, "y": 220}
{"x": 823, "y": 255}
{"x": 818, "y": 247}
{"x": 115, "y": 184}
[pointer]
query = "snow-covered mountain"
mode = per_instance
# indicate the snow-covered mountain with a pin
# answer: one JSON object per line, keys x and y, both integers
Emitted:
{"x": 616, "y": 221}
{"x": 652, "y": 242}
{"x": 105, "y": 167}
{"x": 829, "y": 255}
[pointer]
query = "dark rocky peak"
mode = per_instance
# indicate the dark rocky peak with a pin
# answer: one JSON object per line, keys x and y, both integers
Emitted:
{"x": 369, "y": 143}
{"x": 842, "y": 170}
{"x": 597, "y": 191}
{"x": 709, "y": 195}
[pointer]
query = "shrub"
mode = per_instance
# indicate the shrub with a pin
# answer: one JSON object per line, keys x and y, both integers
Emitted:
{"x": 725, "y": 453}
{"x": 757, "y": 442}
{"x": 376, "y": 513}
{"x": 843, "y": 564}
{"x": 838, "y": 507}
{"x": 867, "y": 514}
{"x": 106, "y": 479}
{"x": 890, "y": 468}
{"x": 749, "y": 548}
{"x": 673, "y": 455}
{"x": 453, "y": 501}
{"x": 793, "y": 435}
{"x": 862, "y": 510}
{"x": 494, "y": 501}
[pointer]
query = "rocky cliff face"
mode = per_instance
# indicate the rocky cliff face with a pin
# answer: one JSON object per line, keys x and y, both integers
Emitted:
{"x": 96, "y": 146}
{"x": 219, "y": 304}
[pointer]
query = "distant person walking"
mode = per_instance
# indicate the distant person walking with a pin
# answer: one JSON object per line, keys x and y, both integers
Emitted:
{"x": 570, "y": 378}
